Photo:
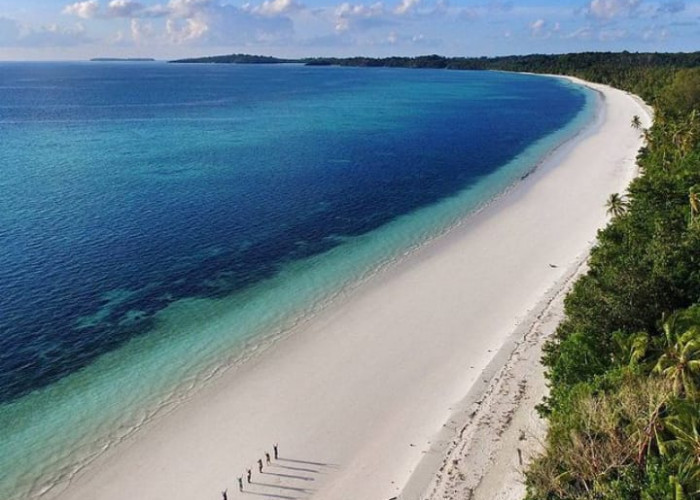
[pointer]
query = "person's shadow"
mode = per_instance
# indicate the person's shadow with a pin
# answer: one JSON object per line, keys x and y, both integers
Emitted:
{"x": 278, "y": 468}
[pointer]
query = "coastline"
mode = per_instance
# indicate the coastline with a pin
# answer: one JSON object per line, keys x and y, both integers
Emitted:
{"x": 360, "y": 394}
{"x": 496, "y": 431}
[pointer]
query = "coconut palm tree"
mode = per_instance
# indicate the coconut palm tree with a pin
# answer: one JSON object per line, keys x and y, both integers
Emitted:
{"x": 683, "y": 447}
{"x": 680, "y": 361}
{"x": 616, "y": 205}
{"x": 632, "y": 349}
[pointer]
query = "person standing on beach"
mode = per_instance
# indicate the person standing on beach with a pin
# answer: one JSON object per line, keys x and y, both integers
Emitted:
{"x": 267, "y": 458}
{"x": 274, "y": 448}
{"x": 240, "y": 484}
{"x": 224, "y": 495}
{"x": 260, "y": 465}
{"x": 248, "y": 475}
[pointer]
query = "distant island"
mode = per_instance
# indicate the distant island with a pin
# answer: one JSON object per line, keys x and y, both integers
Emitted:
{"x": 598, "y": 66}
{"x": 122, "y": 59}
{"x": 238, "y": 59}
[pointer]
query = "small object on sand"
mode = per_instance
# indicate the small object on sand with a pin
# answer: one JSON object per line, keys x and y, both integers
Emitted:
{"x": 552, "y": 265}
{"x": 260, "y": 465}
{"x": 248, "y": 475}
{"x": 224, "y": 495}
{"x": 267, "y": 458}
{"x": 240, "y": 484}
{"x": 274, "y": 449}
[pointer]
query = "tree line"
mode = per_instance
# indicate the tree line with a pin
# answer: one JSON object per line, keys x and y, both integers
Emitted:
{"x": 624, "y": 365}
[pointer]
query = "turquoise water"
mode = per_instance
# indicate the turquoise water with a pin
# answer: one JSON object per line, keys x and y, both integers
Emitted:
{"x": 164, "y": 222}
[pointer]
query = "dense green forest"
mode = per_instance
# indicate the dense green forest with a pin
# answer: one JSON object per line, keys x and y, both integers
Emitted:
{"x": 624, "y": 365}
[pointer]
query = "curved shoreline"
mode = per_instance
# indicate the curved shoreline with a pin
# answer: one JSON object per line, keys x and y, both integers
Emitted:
{"x": 481, "y": 459}
{"x": 135, "y": 412}
{"x": 363, "y": 390}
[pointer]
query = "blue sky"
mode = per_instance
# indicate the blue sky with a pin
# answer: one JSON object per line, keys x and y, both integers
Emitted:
{"x": 64, "y": 30}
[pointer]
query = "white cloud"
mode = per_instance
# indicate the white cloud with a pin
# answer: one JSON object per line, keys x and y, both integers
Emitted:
{"x": 13, "y": 34}
{"x": 584, "y": 33}
{"x": 347, "y": 14}
{"x": 204, "y": 22}
{"x": 407, "y": 6}
{"x": 276, "y": 7}
{"x": 84, "y": 10}
{"x": 395, "y": 38}
{"x": 91, "y": 9}
{"x": 366, "y": 17}
{"x": 188, "y": 8}
{"x": 157, "y": 10}
{"x": 544, "y": 29}
{"x": 537, "y": 27}
{"x": 141, "y": 31}
{"x": 123, "y": 8}
{"x": 605, "y": 10}
{"x": 187, "y": 30}
{"x": 212, "y": 23}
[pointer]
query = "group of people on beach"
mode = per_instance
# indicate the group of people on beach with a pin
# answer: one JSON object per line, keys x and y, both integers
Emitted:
{"x": 249, "y": 472}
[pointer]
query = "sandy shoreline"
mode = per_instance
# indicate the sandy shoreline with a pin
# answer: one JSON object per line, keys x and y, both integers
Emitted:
{"x": 362, "y": 394}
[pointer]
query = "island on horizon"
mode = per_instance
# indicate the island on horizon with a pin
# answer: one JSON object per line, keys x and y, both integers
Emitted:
{"x": 587, "y": 65}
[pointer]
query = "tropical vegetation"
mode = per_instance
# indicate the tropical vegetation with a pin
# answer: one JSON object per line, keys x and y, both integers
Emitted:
{"x": 624, "y": 366}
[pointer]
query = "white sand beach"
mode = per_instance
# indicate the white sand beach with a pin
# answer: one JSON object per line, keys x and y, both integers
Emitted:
{"x": 368, "y": 398}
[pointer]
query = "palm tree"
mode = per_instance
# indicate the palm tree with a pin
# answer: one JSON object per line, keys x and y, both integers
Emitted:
{"x": 680, "y": 362}
{"x": 683, "y": 448}
{"x": 616, "y": 205}
{"x": 632, "y": 348}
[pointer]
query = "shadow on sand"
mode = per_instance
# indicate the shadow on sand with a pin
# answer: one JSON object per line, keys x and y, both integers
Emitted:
{"x": 290, "y": 476}
{"x": 278, "y": 479}
{"x": 307, "y": 462}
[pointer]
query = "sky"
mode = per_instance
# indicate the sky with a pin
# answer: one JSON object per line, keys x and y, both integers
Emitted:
{"x": 168, "y": 29}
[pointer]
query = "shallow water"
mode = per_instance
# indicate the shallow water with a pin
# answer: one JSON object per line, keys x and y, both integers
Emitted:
{"x": 158, "y": 222}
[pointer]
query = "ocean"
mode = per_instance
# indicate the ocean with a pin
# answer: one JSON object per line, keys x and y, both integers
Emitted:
{"x": 160, "y": 223}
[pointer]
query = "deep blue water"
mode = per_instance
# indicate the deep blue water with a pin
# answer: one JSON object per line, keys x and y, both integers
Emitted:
{"x": 156, "y": 220}
{"x": 126, "y": 187}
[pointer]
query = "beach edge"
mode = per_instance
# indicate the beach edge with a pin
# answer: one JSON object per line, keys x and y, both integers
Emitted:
{"x": 492, "y": 464}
